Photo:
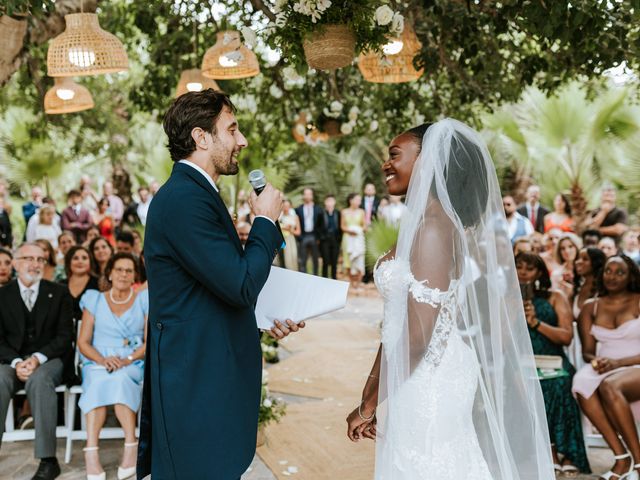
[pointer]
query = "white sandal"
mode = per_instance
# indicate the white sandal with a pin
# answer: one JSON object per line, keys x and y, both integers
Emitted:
{"x": 124, "y": 473}
{"x": 622, "y": 476}
{"x": 97, "y": 476}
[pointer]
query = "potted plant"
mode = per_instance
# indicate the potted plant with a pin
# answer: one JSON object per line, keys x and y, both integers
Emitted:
{"x": 327, "y": 34}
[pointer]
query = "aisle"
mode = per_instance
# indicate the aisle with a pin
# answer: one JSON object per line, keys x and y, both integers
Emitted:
{"x": 322, "y": 377}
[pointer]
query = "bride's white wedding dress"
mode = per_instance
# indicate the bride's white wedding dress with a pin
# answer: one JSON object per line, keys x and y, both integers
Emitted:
{"x": 430, "y": 432}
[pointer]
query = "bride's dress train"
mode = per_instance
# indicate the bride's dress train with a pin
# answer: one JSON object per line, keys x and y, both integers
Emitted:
{"x": 429, "y": 428}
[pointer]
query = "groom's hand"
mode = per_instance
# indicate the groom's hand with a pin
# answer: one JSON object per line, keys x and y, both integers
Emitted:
{"x": 280, "y": 330}
{"x": 268, "y": 203}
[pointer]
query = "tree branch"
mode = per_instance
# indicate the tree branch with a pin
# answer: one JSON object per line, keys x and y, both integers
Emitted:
{"x": 260, "y": 5}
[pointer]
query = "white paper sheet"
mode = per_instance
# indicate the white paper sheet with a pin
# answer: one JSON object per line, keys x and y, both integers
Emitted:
{"x": 298, "y": 296}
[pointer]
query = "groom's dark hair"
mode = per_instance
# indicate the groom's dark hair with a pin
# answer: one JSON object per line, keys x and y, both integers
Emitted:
{"x": 191, "y": 110}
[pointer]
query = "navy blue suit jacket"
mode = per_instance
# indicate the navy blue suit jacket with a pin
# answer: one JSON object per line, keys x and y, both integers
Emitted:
{"x": 203, "y": 371}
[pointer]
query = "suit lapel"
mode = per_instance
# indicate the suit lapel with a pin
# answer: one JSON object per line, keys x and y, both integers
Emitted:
{"x": 224, "y": 213}
{"x": 41, "y": 307}
{"x": 16, "y": 308}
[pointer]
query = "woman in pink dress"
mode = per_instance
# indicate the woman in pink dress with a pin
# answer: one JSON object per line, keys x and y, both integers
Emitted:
{"x": 608, "y": 387}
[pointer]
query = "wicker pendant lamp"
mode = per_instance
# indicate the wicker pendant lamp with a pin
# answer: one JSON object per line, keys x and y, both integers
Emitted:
{"x": 85, "y": 49}
{"x": 229, "y": 58}
{"x": 66, "y": 96}
{"x": 395, "y": 64}
{"x": 192, "y": 80}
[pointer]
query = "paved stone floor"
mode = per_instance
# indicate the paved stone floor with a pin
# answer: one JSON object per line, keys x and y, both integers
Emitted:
{"x": 17, "y": 462}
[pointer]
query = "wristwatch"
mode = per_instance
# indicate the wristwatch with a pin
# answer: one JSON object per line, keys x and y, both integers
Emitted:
{"x": 130, "y": 358}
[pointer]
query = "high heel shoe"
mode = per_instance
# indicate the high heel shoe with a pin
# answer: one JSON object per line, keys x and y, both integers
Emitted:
{"x": 124, "y": 473}
{"x": 630, "y": 475}
{"x": 96, "y": 476}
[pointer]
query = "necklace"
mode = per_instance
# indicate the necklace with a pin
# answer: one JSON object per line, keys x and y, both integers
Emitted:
{"x": 120, "y": 302}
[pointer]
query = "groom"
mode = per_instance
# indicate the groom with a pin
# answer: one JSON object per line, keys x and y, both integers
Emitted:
{"x": 203, "y": 369}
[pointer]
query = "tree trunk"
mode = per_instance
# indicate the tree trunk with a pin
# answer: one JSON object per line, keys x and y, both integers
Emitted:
{"x": 578, "y": 205}
{"x": 39, "y": 31}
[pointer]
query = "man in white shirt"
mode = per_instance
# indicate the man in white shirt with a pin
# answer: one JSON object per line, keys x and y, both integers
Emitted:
{"x": 143, "y": 204}
{"x": 36, "y": 335}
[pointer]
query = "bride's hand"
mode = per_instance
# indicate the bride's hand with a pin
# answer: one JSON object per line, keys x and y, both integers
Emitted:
{"x": 356, "y": 426}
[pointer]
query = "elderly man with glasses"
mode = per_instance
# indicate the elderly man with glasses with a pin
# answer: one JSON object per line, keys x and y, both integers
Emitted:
{"x": 36, "y": 334}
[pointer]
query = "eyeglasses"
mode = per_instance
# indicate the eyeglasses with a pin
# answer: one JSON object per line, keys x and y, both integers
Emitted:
{"x": 126, "y": 271}
{"x": 40, "y": 260}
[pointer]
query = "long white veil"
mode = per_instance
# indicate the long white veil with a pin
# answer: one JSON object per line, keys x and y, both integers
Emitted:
{"x": 454, "y": 237}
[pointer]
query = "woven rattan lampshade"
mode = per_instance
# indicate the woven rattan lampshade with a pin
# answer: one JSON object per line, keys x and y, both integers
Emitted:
{"x": 229, "y": 58}
{"x": 85, "y": 49}
{"x": 193, "y": 81}
{"x": 66, "y": 96}
{"x": 333, "y": 46}
{"x": 392, "y": 67}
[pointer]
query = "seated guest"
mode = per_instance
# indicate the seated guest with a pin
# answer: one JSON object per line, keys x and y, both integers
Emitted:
{"x": 565, "y": 254}
{"x": 36, "y": 333}
{"x": 137, "y": 243}
{"x": 522, "y": 244}
{"x": 631, "y": 245}
{"x": 607, "y": 387}
{"x": 49, "y": 270}
{"x": 125, "y": 242}
{"x": 46, "y": 228}
{"x": 537, "y": 242}
{"x": 608, "y": 246}
{"x": 590, "y": 238}
{"x": 561, "y": 216}
{"x": 101, "y": 251}
{"x": 243, "y": 229}
{"x": 80, "y": 278}
{"x": 75, "y": 217}
{"x": 551, "y": 328}
{"x": 6, "y": 270}
{"x": 66, "y": 240}
{"x": 587, "y": 268}
{"x": 104, "y": 221}
{"x": 550, "y": 241}
{"x": 93, "y": 232}
{"x": 112, "y": 343}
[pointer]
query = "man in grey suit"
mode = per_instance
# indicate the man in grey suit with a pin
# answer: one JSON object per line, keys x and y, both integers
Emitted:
{"x": 36, "y": 333}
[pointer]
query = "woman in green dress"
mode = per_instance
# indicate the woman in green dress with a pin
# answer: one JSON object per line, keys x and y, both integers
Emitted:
{"x": 550, "y": 323}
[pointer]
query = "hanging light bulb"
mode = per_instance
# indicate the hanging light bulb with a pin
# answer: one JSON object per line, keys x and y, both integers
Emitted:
{"x": 229, "y": 58}
{"x": 192, "y": 80}
{"x": 393, "y": 47}
{"x": 66, "y": 96}
{"x": 85, "y": 49}
{"x": 395, "y": 64}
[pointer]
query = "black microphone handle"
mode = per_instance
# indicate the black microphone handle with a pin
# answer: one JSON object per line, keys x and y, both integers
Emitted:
{"x": 258, "y": 191}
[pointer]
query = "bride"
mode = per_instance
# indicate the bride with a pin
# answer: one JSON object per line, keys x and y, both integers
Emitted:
{"x": 453, "y": 392}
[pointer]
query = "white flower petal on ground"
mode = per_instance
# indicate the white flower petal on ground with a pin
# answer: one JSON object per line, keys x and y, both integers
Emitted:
{"x": 249, "y": 36}
{"x": 384, "y": 15}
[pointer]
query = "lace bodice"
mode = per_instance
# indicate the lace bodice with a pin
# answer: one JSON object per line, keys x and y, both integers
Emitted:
{"x": 394, "y": 280}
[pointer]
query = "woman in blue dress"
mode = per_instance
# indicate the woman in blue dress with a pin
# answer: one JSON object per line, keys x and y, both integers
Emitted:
{"x": 112, "y": 343}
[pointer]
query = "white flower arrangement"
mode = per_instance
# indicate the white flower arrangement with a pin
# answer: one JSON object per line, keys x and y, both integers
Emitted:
{"x": 384, "y": 15}
{"x": 250, "y": 39}
{"x": 275, "y": 91}
{"x": 346, "y": 128}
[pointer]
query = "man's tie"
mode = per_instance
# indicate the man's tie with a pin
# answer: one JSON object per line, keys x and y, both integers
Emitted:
{"x": 533, "y": 217}
{"x": 28, "y": 299}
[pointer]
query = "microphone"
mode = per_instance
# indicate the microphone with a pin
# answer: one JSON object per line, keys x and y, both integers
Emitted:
{"x": 258, "y": 181}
